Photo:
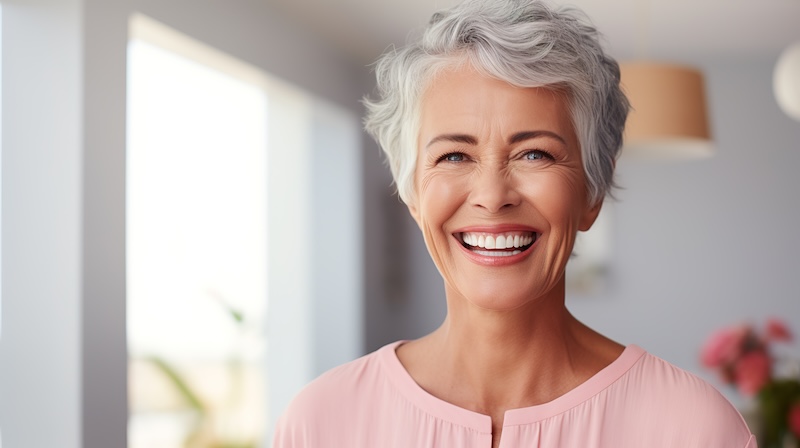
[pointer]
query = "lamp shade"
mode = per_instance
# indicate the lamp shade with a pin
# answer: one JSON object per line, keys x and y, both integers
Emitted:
{"x": 786, "y": 81}
{"x": 669, "y": 116}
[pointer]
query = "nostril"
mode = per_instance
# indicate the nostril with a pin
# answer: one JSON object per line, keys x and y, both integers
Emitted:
{"x": 495, "y": 199}
{"x": 493, "y": 189}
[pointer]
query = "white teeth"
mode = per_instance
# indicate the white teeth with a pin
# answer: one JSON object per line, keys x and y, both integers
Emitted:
{"x": 509, "y": 240}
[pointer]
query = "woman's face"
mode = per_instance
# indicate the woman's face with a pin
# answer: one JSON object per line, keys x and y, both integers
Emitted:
{"x": 500, "y": 188}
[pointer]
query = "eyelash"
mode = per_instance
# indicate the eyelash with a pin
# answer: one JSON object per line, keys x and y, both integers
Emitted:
{"x": 544, "y": 155}
{"x": 445, "y": 157}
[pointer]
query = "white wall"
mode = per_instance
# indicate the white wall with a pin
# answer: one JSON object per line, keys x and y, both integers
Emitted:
{"x": 40, "y": 349}
{"x": 697, "y": 244}
{"x": 315, "y": 257}
{"x": 335, "y": 278}
{"x": 63, "y": 351}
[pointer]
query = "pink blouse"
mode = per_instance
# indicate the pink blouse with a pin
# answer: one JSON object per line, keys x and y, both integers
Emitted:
{"x": 637, "y": 401}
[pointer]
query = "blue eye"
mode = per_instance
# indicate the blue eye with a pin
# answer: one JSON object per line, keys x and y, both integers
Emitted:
{"x": 537, "y": 154}
{"x": 452, "y": 157}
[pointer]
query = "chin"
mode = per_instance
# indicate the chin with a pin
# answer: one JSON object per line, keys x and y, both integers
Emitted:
{"x": 498, "y": 293}
{"x": 498, "y": 297}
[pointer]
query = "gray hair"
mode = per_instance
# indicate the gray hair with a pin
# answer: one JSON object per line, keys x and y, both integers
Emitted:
{"x": 523, "y": 42}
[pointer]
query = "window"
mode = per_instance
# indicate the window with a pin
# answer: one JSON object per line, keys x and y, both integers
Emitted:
{"x": 196, "y": 248}
{"x": 243, "y": 209}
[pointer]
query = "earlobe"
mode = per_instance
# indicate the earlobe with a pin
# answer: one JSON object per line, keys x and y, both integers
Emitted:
{"x": 414, "y": 213}
{"x": 590, "y": 216}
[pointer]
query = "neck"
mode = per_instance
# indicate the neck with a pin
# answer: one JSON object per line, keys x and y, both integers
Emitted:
{"x": 511, "y": 358}
{"x": 498, "y": 360}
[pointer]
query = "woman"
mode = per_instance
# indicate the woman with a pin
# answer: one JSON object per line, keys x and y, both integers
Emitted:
{"x": 502, "y": 126}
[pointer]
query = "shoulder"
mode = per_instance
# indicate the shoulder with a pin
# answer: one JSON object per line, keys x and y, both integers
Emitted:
{"x": 661, "y": 379}
{"x": 684, "y": 408}
{"x": 331, "y": 403}
{"x": 338, "y": 384}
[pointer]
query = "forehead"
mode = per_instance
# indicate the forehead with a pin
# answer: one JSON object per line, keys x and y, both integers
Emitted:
{"x": 462, "y": 99}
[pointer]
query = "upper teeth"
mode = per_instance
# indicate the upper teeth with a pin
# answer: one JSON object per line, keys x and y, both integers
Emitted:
{"x": 507, "y": 240}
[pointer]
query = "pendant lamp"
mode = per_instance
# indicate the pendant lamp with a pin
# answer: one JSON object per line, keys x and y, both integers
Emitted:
{"x": 669, "y": 117}
{"x": 786, "y": 81}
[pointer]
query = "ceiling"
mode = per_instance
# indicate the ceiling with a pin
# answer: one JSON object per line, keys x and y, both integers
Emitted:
{"x": 678, "y": 30}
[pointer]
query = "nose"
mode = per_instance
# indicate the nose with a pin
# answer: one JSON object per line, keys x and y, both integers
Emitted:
{"x": 493, "y": 190}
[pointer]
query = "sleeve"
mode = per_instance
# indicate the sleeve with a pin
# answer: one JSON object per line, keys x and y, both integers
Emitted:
{"x": 704, "y": 418}
{"x": 312, "y": 420}
{"x": 298, "y": 426}
{"x": 287, "y": 435}
{"x": 678, "y": 409}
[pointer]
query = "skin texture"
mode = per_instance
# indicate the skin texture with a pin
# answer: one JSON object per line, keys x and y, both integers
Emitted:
{"x": 508, "y": 340}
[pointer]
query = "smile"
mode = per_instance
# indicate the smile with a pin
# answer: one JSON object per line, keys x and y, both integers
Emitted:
{"x": 506, "y": 244}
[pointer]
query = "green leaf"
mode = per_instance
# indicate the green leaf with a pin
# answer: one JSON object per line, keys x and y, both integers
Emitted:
{"x": 177, "y": 380}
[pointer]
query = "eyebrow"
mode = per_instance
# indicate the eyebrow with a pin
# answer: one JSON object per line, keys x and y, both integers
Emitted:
{"x": 456, "y": 138}
{"x": 527, "y": 135}
{"x": 516, "y": 138}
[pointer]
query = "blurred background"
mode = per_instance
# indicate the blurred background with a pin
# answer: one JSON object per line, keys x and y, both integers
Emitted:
{"x": 194, "y": 224}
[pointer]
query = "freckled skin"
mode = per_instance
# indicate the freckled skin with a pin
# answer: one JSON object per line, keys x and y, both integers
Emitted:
{"x": 496, "y": 182}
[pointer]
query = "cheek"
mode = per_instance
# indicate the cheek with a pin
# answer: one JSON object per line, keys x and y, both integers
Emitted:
{"x": 558, "y": 197}
{"x": 440, "y": 194}
{"x": 439, "y": 198}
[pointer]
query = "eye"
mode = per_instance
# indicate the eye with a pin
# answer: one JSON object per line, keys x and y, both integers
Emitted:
{"x": 452, "y": 157}
{"x": 538, "y": 154}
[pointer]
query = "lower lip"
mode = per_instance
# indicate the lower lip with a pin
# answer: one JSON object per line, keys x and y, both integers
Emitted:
{"x": 487, "y": 260}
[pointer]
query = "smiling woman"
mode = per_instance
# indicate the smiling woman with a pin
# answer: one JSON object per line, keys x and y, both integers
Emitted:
{"x": 502, "y": 125}
{"x": 514, "y": 170}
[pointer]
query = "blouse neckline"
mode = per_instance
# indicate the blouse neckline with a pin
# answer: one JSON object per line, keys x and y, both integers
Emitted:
{"x": 444, "y": 410}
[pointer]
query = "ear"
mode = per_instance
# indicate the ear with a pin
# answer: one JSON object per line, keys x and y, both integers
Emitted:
{"x": 412, "y": 208}
{"x": 589, "y": 216}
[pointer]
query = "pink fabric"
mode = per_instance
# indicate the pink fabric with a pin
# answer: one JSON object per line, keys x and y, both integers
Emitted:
{"x": 637, "y": 401}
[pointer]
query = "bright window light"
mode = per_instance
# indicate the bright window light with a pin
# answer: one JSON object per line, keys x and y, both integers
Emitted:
{"x": 196, "y": 252}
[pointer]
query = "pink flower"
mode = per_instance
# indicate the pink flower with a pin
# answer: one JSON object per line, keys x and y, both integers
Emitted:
{"x": 778, "y": 331}
{"x": 723, "y": 347}
{"x": 752, "y": 372}
{"x": 794, "y": 419}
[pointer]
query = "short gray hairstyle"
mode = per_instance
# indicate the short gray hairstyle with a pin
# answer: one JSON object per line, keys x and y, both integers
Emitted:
{"x": 523, "y": 42}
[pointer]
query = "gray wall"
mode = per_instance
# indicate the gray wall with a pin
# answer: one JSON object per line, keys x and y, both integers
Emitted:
{"x": 696, "y": 245}
{"x": 702, "y": 244}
